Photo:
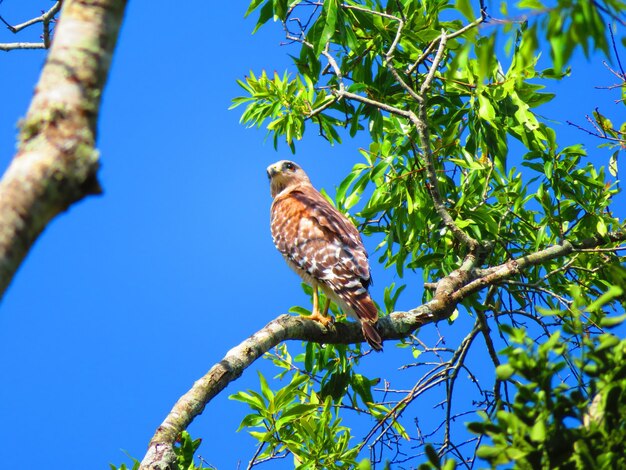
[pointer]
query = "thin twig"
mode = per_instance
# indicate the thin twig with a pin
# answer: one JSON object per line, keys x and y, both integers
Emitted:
{"x": 424, "y": 134}
{"x": 253, "y": 462}
{"x": 45, "y": 18}
{"x": 463, "y": 349}
{"x": 434, "y": 42}
{"x": 11, "y": 46}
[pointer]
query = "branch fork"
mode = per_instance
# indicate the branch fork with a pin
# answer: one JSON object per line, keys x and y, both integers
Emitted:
{"x": 45, "y": 19}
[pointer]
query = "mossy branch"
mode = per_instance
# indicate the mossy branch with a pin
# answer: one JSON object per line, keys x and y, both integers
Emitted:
{"x": 56, "y": 162}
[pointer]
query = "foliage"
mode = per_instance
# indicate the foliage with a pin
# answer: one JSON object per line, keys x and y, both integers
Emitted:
{"x": 185, "y": 450}
{"x": 302, "y": 418}
{"x": 298, "y": 422}
{"x": 553, "y": 423}
{"x": 135, "y": 466}
{"x": 461, "y": 170}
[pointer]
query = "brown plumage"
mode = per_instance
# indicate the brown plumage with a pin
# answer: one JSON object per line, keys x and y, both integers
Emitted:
{"x": 322, "y": 246}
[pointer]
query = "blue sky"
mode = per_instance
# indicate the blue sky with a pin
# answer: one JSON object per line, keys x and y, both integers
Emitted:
{"x": 128, "y": 298}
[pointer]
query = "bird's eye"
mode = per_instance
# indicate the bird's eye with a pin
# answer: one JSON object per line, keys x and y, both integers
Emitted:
{"x": 289, "y": 166}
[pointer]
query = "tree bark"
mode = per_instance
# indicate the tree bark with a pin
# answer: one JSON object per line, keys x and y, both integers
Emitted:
{"x": 56, "y": 162}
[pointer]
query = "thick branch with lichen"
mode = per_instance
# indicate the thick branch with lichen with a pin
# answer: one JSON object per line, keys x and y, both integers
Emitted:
{"x": 56, "y": 162}
{"x": 450, "y": 291}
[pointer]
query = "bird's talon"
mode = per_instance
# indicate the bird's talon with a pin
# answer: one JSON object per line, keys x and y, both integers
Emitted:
{"x": 325, "y": 321}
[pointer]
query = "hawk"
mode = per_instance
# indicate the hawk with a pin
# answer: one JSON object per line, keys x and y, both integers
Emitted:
{"x": 322, "y": 246}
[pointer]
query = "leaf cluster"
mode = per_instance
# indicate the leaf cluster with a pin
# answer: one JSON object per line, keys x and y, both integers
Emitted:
{"x": 304, "y": 417}
{"x": 559, "y": 420}
{"x": 185, "y": 450}
{"x": 296, "y": 422}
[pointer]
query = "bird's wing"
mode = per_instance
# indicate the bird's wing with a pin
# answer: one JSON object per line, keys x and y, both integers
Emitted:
{"x": 316, "y": 237}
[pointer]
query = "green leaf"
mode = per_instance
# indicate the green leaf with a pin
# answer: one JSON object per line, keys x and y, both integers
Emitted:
{"x": 449, "y": 465}
{"x": 487, "y": 452}
{"x": 465, "y": 7}
{"x": 601, "y": 227}
{"x": 309, "y": 356}
{"x": 299, "y": 311}
{"x": 610, "y": 322}
{"x": 433, "y": 458}
{"x": 329, "y": 15}
{"x": 604, "y": 123}
{"x": 254, "y": 400}
{"x": 548, "y": 166}
{"x": 515, "y": 454}
{"x": 613, "y": 162}
{"x": 280, "y": 9}
{"x": 504, "y": 371}
{"x": 538, "y": 431}
{"x": 531, "y": 4}
{"x": 265, "y": 388}
{"x": 363, "y": 387}
{"x": 250, "y": 421}
{"x": 397, "y": 427}
{"x": 485, "y": 109}
{"x": 607, "y": 341}
{"x": 295, "y": 412}
{"x": 261, "y": 436}
{"x": 265, "y": 14}
{"x": 454, "y": 316}
{"x": 254, "y": 4}
{"x": 612, "y": 293}
{"x": 364, "y": 464}
{"x": 550, "y": 344}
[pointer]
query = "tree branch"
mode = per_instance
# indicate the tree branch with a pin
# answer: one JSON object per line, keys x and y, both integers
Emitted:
{"x": 12, "y": 46}
{"x": 46, "y": 18}
{"x": 421, "y": 124}
{"x": 450, "y": 292}
{"x": 56, "y": 162}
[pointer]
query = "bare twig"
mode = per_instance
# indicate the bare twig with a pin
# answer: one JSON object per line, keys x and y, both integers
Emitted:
{"x": 608, "y": 12}
{"x": 437, "y": 40}
{"x": 12, "y": 46}
{"x": 600, "y": 250}
{"x": 622, "y": 73}
{"x": 45, "y": 19}
{"x": 537, "y": 288}
{"x": 458, "y": 363}
{"x": 253, "y": 462}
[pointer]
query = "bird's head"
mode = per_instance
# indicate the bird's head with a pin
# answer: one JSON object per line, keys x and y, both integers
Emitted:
{"x": 285, "y": 174}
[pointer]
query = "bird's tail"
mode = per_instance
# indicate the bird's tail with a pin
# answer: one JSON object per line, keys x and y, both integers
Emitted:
{"x": 367, "y": 312}
{"x": 360, "y": 304}
{"x": 371, "y": 335}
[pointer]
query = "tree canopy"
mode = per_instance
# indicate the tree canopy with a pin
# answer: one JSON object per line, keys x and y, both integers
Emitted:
{"x": 466, "y": 183}
{"x": 508, "y": 233}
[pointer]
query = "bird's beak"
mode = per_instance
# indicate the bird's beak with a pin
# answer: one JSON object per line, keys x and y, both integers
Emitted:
{"x": 271, "y": 171}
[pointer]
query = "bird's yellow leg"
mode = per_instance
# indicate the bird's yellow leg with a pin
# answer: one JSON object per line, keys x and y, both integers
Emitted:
{"x": 326, "y": 305}
{"x": 316, "y": 315}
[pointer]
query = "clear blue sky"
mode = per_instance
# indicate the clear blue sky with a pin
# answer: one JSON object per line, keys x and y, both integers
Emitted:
{"x": 128, "y": 298}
